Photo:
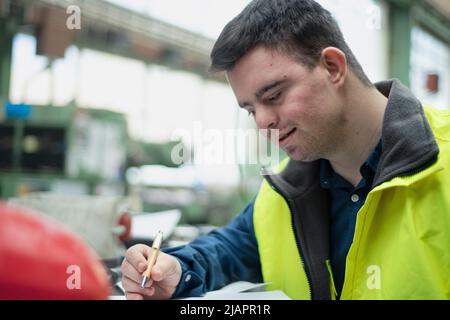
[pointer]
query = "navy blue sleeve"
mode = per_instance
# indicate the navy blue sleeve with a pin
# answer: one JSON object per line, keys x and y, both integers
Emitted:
{"x": 225, "y": 255}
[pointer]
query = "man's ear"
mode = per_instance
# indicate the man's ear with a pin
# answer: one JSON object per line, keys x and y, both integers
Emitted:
{"x": 335, "y": 62}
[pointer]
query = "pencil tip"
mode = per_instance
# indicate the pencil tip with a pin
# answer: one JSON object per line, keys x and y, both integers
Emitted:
{"x": 144, "y": 282}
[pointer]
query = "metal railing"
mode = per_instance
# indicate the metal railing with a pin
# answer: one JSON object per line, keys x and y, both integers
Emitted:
{"x": 138, "y": 23}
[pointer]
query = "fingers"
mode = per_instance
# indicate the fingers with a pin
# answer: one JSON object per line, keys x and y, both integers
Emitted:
{"x": 132, "y": 267}
{"x": 165, "y": 267}
{"x": 133, "y": 296}
{"x": 131, "y": 287}
{"x": 164, "y": 276}
{"x": 137, "y": 256}
{"x": 157, "y": 274}
{"x": 129, "y": 271}
{"x": 135, "y": 262}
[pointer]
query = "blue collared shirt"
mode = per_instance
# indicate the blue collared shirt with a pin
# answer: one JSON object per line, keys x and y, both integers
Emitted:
{"x": 345, "y": 202}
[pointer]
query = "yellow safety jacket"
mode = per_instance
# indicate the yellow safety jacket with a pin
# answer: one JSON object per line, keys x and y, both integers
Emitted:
{"x": 401, "y": 245}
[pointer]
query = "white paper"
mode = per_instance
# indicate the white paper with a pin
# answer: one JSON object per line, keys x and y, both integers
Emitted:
{"x": 240, "y": 290}
{"x": 241, "y": 286}
{"x": 264, "y": 295}
{"x": 145, "y": 225}
{"x": 117, "y": 298}
{"x": 243, "y": 290}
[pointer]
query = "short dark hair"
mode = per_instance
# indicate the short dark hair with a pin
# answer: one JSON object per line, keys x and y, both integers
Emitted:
{"x": 299, "y": 28}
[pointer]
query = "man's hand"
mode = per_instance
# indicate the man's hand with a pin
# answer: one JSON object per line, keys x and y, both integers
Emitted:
{"x": 165, "y": 276}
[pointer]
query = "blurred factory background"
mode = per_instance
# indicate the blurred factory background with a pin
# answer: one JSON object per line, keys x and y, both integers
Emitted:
{"x": 90, "y": 112}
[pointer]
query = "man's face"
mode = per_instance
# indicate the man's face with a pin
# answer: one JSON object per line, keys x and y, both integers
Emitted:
{"x": 302, "y": 103}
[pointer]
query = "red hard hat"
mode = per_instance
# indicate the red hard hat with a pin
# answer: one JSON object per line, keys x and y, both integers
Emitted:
{"x": 41, "y": 259}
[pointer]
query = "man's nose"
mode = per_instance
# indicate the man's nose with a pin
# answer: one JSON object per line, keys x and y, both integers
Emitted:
{"x": 266, "y": 118}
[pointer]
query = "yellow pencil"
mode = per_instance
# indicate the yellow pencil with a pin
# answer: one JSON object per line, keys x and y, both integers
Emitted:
{"x": 151, "y": 262}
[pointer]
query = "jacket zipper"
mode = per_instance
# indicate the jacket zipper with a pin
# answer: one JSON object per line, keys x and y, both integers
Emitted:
{"x": 297, "y": 242}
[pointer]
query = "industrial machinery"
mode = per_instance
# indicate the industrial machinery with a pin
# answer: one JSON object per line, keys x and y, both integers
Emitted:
{"x": 64, "y": 150}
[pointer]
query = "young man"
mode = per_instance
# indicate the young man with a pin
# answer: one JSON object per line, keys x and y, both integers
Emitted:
{"x": 362, "y": 208}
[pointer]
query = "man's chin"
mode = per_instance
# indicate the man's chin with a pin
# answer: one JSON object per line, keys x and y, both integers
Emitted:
{"x": 300, "y": 156}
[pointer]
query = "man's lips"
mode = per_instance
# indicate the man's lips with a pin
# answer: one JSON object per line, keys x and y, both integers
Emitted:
{"x": 284, "y": 137}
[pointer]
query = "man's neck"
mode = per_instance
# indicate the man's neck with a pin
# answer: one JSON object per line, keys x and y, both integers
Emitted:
{"x": 365, "y": 112}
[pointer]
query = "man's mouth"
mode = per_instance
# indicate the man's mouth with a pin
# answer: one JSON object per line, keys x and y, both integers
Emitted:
{"x": 284, "y": 137}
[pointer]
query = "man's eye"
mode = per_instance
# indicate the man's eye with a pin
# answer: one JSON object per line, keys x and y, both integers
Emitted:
{"x": 274, "y": 97}
{"x": 251, "y": 113}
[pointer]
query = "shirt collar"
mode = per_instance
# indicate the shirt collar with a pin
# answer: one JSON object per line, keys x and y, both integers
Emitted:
{"x": 329, "y": 178}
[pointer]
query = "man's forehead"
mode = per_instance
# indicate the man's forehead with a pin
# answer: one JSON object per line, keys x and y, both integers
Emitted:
{"x": 261, "y": 55}
{"x": 260, "y": 66}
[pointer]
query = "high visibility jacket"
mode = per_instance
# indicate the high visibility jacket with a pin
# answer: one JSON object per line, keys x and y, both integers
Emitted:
{"x": 401, "y": 245}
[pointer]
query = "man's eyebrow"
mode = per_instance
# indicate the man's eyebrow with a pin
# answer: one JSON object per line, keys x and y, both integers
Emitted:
{"x": 263, "y": 90}
{"x": 266, "y": 88}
